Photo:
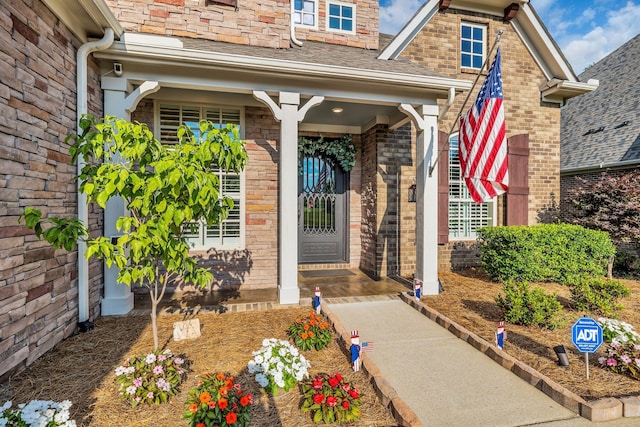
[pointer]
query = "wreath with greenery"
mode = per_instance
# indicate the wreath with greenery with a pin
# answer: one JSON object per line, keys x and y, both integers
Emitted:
{"x": 336, "y": 151}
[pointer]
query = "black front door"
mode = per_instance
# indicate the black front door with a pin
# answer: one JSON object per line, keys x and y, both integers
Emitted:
{"x": 322, "y": 212}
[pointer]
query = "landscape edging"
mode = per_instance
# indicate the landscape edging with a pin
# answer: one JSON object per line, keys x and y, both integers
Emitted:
{"x": 605, "y": 409}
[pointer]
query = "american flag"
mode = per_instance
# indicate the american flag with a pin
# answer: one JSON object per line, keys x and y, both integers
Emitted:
{"x": 322, "y": 179}
{"x": 483, "y": 145}
{"x": 367, "y": 346}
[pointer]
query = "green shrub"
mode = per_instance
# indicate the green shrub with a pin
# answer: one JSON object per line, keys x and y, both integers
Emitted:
{"x": 523, "y": 305}
{"x": 596, "y": 294}
{"x": 543, "y": 253}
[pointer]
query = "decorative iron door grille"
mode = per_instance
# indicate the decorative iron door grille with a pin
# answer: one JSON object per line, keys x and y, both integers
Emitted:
{"x": 322, "y": 212}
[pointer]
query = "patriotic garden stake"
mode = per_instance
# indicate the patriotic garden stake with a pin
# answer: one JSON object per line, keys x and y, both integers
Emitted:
{"x": 501, "y": 335}
{"x": 417, "y": 289}
{"x": 316, "y": 300}
{"x": 355, "y": 351}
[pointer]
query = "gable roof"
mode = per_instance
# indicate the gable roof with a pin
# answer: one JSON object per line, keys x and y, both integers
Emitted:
{"x": 602, "y": 128}
{"x": 562, "y": 81}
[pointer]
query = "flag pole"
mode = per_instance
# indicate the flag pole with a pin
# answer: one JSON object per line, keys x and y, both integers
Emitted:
{"x": 475, "y": 82}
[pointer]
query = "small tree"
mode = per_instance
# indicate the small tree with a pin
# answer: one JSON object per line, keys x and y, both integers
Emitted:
{"x": 611, "y": 203}
{"x": 165, "y": 189}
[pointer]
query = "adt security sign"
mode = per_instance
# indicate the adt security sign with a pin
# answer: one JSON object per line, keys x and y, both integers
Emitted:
{"x": 586, "y": 335}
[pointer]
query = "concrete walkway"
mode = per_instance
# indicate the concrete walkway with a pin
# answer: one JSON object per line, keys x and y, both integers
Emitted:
{"x": 444, "y": 380}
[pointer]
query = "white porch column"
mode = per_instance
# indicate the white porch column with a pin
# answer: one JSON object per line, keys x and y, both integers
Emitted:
{"x": 118, "y": 298}
{"x": 289, "y": 115}
{"x": 426, "y": 122}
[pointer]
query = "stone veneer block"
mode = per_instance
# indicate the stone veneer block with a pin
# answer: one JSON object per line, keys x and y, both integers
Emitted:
{"x": 606, "y": 409}
{"x": 630, "y": 406}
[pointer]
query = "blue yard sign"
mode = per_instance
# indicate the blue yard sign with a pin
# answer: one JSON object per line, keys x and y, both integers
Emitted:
{"x": 586, "y": 335}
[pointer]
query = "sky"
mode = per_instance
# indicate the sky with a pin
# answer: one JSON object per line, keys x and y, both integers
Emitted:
{"x": 585, "y": 30}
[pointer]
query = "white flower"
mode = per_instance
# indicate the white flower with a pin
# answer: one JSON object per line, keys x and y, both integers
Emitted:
{"x": 262, "y": 380}
{"x": 151, "y": 358}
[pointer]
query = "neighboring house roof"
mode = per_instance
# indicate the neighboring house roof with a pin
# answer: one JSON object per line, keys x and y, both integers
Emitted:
{"x": 602, "y": 128}
{"x": 562, "y": 81}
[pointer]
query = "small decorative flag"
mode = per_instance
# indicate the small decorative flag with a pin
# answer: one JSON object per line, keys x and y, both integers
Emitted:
{"x": 316, "y": 300}
{"x": 483, "y": 142}
{"x": 417, "y": 289}
{"x": 367, "y": 346}
{"x": 355, "y": 351}
{"x": 501, "y": 335}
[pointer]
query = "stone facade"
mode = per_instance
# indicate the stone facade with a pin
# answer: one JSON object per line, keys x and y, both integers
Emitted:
{"x": 252, "y": 22}
{"x": 38, "y": 286}
{"x": 525, "y": 113}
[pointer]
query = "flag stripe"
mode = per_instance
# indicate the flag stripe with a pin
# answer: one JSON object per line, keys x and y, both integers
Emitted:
{"x": 483, "y": 146}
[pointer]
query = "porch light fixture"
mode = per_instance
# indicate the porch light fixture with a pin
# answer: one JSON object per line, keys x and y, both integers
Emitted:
{"x": 337, "y": 110}
{"x": 412, "y": 193}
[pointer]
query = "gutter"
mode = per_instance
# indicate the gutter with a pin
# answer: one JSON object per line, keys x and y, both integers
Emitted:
{"x": 294, "y": 40}
{"x": 596, "y": 168}
{"x": 83, "y": 210}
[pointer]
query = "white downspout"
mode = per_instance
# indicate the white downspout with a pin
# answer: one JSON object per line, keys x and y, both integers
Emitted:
{"x": 448, "y": 104}
{"x": 83, "y": 211}
{"x": 294, "y": 40}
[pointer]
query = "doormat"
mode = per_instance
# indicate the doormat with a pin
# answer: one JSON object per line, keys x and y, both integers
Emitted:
{"x": 327, "y": 273}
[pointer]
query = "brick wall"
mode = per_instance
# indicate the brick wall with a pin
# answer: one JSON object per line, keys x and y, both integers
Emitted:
{"x": 38, "y": 286}
{"x": 437, "y": 46}
{"x": 254, "y": 22}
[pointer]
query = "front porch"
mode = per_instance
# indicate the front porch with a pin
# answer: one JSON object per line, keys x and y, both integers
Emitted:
{"x": 349, "y": 285}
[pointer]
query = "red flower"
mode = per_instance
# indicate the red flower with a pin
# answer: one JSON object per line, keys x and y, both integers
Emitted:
{"x": 345, "y": 404}
{"x": 211, "y": 404}
{"x": 332, "y": 401}
{"x": 222, "y": 403}
{"x": 317, "y": 384}
{"x": 354, "y": 393}
{"x": 200, "y": 425}
{"x": 333, "y": 381}
{"x": 338, "y": 376}
{"x": 231, "y": 418}
{"x": 244, "y": 400}
{"x": 318, "y": 398}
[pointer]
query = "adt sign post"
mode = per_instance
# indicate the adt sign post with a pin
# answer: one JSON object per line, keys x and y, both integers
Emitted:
{"x": 586, "y": 335}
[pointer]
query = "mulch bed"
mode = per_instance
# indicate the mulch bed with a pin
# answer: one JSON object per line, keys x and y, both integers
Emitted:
{"x": 81, "y": 369}
{"x": 469, "y": 300}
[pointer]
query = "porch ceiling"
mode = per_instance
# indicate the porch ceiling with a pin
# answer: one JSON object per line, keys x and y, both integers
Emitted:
{"x": 355, "y": 117}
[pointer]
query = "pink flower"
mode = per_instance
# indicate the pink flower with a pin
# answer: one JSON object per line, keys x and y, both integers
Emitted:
{"x": 346, "y": 386}
{"x": 612, "y": 362}
{"x": 158, "y": 370}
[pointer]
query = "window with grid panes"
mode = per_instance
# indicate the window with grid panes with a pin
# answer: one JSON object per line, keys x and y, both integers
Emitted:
{"x": 340, "y": 16}
{"x": 465, "y": 215}
{"x": 472, "y": 39}
{"x": 228, "y": 233}
{"x": 305, "y": 12}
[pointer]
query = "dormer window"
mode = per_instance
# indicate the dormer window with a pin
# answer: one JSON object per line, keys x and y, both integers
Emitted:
{"x": 472, "y": 41}
{"x": 306, "y": 13}
{"x": 341, "y": 17}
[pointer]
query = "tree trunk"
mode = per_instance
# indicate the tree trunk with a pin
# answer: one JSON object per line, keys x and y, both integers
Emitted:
{"x": 154, "y": 322}
{"x": 610, "y": 267}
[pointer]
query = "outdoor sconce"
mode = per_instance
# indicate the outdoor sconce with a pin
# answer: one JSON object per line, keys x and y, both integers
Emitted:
{"x": 412, "y": 193}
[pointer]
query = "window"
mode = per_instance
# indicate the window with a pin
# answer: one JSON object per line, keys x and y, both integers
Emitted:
{"x": 465, "y": 216}
{"x": 230, "y": 232}
{"x": 340, "y": 17}
{"x": 305, "y": 13}
{"x": 472, "y": 38}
